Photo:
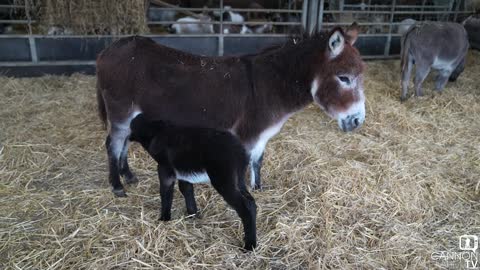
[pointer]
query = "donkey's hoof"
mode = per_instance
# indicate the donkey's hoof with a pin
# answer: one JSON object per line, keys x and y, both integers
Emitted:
{"x": 131, "y": 180}
{"x": 257, "y": 187}
{"x": 119, "y": 192}
{"x": 403, "y": 99}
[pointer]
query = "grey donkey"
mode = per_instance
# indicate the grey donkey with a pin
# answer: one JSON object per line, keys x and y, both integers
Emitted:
{"x": 438, "y": 45}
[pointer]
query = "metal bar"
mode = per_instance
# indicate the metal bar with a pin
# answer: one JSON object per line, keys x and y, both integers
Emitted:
{"x": 265, "y": 10}
{"x": 17, "y": 21}
{"x": 373, "y": 57}
{"x": 93, "y": 63}
{"x": 221, "y": 22}
{"x": 33, "y": 49}
{"x": 147, "y": 35}
{"x": 398, "y": 6}
{"x": 388, "y": 12}
{"x": 389, "y": 37}
{"x": 220, "y": 37}
{"x": 423, "y": 9}
{"x": 450, "y": 8}
{"x": 320, "y": 16}
{"x": 12, "y": 6}
{"x": 304, "y": 14}
{"x": 362, "y": 23}
{"x": 45, "y": 63}
{"x": 457, "y": 7}
{"x": 294, "y": 23}
{"x": 312, "y": 14}
{"x": 260, "y": 10}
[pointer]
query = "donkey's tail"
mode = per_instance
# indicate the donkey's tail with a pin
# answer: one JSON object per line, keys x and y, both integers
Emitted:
{"x": 102, "y": 112}
{"x": 406, "y": 48}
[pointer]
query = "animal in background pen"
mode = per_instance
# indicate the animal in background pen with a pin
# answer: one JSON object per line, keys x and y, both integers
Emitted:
{"x": 433, "y": 45}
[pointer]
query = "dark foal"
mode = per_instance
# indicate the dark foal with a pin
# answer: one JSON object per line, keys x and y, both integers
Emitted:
{"x": 198, "y": 155}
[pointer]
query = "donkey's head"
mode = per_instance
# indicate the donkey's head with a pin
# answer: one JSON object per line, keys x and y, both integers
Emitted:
{"x": 337, "y": 85}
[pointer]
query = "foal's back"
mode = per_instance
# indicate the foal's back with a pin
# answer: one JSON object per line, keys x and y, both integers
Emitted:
{"x": 440, "y": 41}
{"x": 188, "y": 149}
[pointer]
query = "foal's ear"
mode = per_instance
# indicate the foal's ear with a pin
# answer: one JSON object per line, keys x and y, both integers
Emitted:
{"x": 352, "y": 33}
{"x": 336, "y": 43}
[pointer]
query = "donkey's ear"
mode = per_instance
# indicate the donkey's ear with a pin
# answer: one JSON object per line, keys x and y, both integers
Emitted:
{"x": 336, "y": 43}
{"x": 352, "y": 33}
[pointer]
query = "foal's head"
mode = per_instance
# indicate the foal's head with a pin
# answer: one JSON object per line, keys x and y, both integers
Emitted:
{"x": 337, "y": 85}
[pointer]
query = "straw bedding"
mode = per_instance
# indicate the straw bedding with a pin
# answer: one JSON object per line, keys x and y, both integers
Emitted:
{"x": 385, "y": 197}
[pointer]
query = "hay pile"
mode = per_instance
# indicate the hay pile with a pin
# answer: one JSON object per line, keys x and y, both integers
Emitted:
{"x": 385, "y": 197}
{"x": 89, "y": 16}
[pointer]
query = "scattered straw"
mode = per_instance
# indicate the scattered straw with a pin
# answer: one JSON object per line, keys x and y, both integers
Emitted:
{"x": 385, "y": 197}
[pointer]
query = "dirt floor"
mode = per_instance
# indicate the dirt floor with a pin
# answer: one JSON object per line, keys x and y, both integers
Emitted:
{"x": 404, "y": 186}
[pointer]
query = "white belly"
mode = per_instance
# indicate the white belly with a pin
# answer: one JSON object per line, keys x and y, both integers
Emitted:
{"x": 443, "y": 64}
{"x": 193, "y": 177}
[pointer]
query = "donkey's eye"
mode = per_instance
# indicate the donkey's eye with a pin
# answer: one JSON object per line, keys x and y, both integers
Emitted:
{"x": 344, "y": 79}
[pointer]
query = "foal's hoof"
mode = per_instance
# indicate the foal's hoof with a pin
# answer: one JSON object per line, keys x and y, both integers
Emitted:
{"x": 196, "y": 215}
{"x": 165, "y": 218}
{"x": 250, "y": 246}
{"x": 131, "y": 180}
{"x": 119, "y": 192}
{"x": 403, "y": 99}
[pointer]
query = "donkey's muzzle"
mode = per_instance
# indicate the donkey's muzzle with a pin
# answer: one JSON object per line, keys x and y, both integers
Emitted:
{"x": 351, "y": 122}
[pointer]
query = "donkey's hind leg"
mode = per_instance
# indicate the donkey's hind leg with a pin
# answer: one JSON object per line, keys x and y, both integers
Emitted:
{"x": 255, "y": 168}
{"x": 115, "y": 144}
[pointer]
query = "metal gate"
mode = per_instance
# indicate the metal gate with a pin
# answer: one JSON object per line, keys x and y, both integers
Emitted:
{"x": 31, "y": 53}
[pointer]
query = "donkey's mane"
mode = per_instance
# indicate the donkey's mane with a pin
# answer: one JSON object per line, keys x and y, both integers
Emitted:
{"x": 299, "y": 41}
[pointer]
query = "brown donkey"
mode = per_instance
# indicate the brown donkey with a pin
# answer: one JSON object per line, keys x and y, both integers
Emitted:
{"x": 250, "y": 96}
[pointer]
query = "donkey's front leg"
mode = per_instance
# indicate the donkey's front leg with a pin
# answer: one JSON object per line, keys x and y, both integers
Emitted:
{"x": 255, "y": 167}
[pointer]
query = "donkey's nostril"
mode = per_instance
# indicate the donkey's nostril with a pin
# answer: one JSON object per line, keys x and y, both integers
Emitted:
{"x": 356, "y": 122}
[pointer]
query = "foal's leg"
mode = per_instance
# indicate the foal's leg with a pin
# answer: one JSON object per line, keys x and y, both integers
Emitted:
{"x": 255, "y": 167}
{"x": 186, "y": 189}
{"x": 421, "y": 72}
{"x": 406, "y": 78}
{"x": 441, "y": 79}
{"x": 166, "y": 176}
{"x": 458, "y": 70}
{"x": 239, "y": 199}
{"x": 115, "y": 144}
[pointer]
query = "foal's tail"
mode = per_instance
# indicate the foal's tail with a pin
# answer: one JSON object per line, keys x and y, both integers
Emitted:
{"x": 102, "y": 112}
{"x": 406, "y": 48}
